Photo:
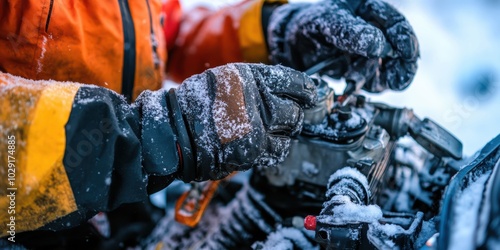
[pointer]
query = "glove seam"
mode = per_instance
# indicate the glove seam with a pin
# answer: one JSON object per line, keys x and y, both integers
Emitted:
{"x": 187, "y": 164}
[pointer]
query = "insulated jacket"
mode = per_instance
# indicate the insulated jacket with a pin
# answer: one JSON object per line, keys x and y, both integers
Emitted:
{"x": 120, "y": 44}
{"x": 69, "y": 150}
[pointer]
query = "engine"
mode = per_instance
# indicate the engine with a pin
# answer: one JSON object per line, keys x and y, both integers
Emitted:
{"x": 346, "y": 160}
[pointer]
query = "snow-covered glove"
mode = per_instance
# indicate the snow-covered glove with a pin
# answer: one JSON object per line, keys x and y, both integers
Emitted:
{"x": 239, "y": 116}
{"x": 369, "y": 38}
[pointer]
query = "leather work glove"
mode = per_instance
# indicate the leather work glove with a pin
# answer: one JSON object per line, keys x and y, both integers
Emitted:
{"x": 368, "y": 39}
{"x": 238, "y": 116}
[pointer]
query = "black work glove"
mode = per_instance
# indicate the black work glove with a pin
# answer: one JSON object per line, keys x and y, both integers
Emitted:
{"x": 368, "y": 38}
{"x": 238, "y": 116}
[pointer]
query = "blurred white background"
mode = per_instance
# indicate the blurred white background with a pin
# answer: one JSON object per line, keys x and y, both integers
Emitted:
{"x": 457, "y": 83}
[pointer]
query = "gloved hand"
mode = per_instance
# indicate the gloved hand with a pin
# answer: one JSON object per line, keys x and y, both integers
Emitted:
{"x": 238, "y": 116}
{"x": 368, "y": 37}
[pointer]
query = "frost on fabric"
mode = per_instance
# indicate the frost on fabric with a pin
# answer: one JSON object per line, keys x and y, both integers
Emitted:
{"x": 228, "y": 128}
{"x": 399, "y": 32}
{"x": 122, "y": 108}
{"x": 301, "y": 36}
{"x": 278, "y": 84}
{"x": 21, "y": 96}
{"x": 17, "y": 81}
{"x": 194, "y": 100}
{"x": 229, "y": 111}
{"x": 244, "y": 113}
{"x": 152, "y": 107}
{"x": 333, "y": 22}
{"x": 463, "y": 230}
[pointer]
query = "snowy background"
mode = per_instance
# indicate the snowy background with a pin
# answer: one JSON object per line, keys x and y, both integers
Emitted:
{"x": 457, "y": 83}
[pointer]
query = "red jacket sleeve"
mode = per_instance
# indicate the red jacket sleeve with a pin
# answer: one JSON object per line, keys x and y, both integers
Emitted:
{"x": 209, "y": 38}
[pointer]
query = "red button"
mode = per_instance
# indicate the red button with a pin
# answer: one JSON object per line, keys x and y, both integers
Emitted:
{"x": 310, "y": 222}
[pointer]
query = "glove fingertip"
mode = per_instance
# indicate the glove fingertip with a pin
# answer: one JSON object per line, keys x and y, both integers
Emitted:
{"x": 375, "y": 40}
{"x": 278, "y": 148}
{"x": 399, "y": 76}
{"x": 406, "y": 41}
{"x": 288, "y": 83}
{"x": 310, "y": 90}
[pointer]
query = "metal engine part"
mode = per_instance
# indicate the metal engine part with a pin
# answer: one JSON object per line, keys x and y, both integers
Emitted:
{"x": 357, "y": 134}
{"x": 361, "y": 136}
{"x": 347, "y": 221}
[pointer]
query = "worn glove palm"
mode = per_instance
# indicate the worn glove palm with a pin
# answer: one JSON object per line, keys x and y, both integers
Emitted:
{"x": 369, "y": 38}
{"x": 240, "y": 115}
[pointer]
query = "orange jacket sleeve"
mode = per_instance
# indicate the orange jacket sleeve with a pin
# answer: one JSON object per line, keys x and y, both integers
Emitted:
{"x": 209, "y": 38}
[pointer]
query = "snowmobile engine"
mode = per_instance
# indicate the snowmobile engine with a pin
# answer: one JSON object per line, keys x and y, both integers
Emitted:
{"x": 361, "y": 136}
